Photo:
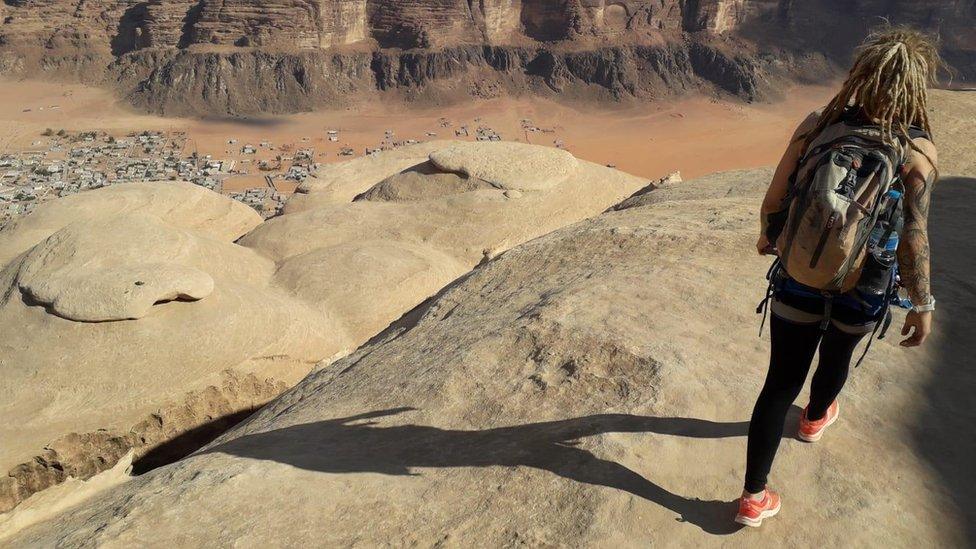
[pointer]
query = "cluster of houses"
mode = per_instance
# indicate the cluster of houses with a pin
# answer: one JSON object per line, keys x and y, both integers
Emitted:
{"x": 266, "y": 200}
{"x": 390, "y": 142}
{"x": 65, "y": 164}
{"x": 528, "y": 126}
{"x": 484, "y": 133}
{"x": 61, "y": 164}
{"x": 481, "y": 133}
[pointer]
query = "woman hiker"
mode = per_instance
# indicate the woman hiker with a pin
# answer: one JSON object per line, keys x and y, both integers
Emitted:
{"x": 847, "y": 214}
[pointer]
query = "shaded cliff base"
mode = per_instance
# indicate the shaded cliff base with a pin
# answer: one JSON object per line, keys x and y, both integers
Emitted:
{"x": 242, "y": 81}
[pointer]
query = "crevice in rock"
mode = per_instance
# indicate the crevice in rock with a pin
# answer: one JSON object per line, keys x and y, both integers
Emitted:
{"x": 163, "y": 437}
{"x": 129, "y": 34}
{"x": 188, "y": 442}
{"x": 179, "y": 298}
{"x": 189, "y": 25}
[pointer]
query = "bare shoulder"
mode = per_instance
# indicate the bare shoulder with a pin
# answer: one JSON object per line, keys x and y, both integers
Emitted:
{"x": 925, "y": 158}
{"x": 808, "y": 124}
{"x": 927, "y": 147}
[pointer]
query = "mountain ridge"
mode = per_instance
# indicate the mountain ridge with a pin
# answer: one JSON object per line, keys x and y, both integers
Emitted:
{"x": 295, "y": 55}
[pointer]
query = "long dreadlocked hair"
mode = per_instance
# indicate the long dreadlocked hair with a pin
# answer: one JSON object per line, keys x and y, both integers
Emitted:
{"x": 889, "y": 84}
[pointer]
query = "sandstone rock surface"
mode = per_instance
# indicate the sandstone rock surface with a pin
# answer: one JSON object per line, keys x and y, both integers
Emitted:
{"x": 590, "y": 387}
{"x": 343, "y": 182}
{"x": 422, "y": 223}
{"x": 155, "y": 302}
{"x": 78, "y": 273}
{"x": 508, "y": 165}
{"x": 422, "y": 182}
{"x": 182, "y": 204}
{"x": 79, "y": 378}
{"x": 550, "y": 378}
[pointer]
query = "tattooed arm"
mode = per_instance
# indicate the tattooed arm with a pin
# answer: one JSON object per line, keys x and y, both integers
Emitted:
{"x": 913, "y": 250}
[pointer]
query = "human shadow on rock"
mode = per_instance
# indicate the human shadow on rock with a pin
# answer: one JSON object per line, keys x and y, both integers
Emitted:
{"x": 357, "y": 445}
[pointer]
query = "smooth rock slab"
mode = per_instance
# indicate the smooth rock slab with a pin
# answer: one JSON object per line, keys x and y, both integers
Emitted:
{"x": 181, "y": 204}
{"x": 422, "y": 182}
{"x": 119, "y": 269}
{"x": 125, "y": 292}
{"x": 508, "y": 165}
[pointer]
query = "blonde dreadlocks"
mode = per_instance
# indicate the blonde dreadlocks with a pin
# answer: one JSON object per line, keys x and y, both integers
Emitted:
{"x": 889, "y": 84}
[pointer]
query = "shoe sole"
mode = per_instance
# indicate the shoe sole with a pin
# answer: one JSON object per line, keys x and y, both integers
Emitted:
{"x": 756, "y": 523}
{"x": 819, "y": 435}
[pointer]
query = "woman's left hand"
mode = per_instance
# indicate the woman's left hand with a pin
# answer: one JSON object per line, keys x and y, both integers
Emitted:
{"x": 922, "y": 323}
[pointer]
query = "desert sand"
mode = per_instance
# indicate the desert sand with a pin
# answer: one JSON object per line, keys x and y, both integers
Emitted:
{"x": 552, "y": 391}
{"x": 694, "y": 135}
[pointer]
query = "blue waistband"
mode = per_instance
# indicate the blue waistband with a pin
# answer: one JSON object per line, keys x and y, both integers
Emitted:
{"x": 867, "y": 303}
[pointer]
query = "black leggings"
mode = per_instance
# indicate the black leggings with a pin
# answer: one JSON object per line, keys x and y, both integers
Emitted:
{"x": 793, "y": 347}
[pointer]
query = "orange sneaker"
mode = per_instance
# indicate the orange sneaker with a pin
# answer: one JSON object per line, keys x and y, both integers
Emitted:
{"x": 811, "y": 431}
{"x": 753, "y": 511}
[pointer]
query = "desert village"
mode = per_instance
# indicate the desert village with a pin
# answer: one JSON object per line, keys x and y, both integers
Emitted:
{"x": 262, "y": 174}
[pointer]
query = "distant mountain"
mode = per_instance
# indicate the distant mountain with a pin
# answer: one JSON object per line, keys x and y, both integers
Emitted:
{"x": 242, "y": 56}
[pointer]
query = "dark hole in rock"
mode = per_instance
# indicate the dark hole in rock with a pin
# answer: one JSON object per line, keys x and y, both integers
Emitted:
{"x": 178, "y": 299}
{"x": 190, "y": 441}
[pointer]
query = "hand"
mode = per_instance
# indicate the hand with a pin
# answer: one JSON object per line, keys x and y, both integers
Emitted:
{"x": 922, "y": 323}
{"x": 764, "y": 247}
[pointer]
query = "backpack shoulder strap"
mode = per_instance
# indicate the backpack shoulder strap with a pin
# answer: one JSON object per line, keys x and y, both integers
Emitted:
{"x": 915, "y": 133}
{"x": 829, "y": 135}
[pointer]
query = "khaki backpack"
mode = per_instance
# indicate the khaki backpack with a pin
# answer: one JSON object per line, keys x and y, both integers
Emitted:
{"x": 839, "y": 193}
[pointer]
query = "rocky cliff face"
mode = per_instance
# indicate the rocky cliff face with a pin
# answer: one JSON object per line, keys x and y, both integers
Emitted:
{"x": 185, "y": 82}
{"x": 327, "y": 48}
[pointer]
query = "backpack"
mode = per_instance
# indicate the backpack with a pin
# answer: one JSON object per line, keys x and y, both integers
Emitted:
{"x": 838, "y": 229}
{"x": 845, "y": 187}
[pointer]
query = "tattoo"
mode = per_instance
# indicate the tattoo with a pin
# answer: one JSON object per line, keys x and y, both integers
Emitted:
{"x": 914, "y": 254}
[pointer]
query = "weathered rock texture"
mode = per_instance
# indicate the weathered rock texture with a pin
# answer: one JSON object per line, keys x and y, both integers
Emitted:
{"x": 123, "y": 303}
{"x": 243, "y": 56}
{"x": 588, "y": 388}
{"x": 78, "y": 375}
{"x": 181, "y": 204}
{"x": 508, "y": 166}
